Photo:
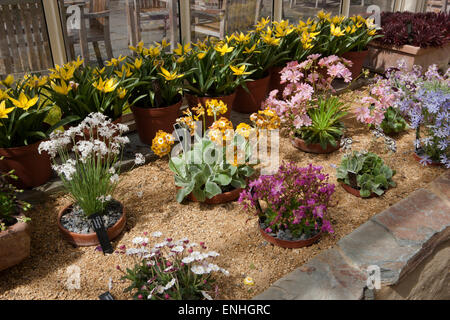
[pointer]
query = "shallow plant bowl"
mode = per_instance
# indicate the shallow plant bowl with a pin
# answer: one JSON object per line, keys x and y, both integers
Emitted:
{"x": 355, "y": 192}
{"x": 220, "y": 198}
{"x": 314, "y": 147}
{"x": 289, "y": 244}
{"x": 433, "y": 163}
{"x": 90, "y": 239}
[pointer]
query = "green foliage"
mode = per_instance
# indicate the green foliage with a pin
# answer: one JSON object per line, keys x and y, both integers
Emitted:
{"x": 393, "y": 122}
{"x": 9, "y": 204}
{"x": 205, "y": 171}
{"x": 326, "y": 127}
{"x": 369, "y": 171}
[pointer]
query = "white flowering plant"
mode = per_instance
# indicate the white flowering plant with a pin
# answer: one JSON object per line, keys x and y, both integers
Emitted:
{"x": 170, "y": 270}
{"x": 85, "y": 158}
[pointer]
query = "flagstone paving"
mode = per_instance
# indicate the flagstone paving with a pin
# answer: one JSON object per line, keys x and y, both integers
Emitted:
{"x": 397, "y": 240}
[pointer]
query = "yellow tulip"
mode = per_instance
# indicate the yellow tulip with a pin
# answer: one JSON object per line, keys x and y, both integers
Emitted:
{"x": 323, "y": 16}
{"x": 4, "y": 111}
{"x": 125, "y": 71}
{"x": 138, "y": 63}
{"x": 242, "y": 38}
{"x": 122, "y": 92}
{"x": 224, "y": 49}
{"x": 8, "y": 81}
{"x": 270, "y": 40}
{"x": 139, "y": 48}
{"x": 239, "y": 71}
{"x": 250, "y": 50}
{"x": 61, "y": 89}
{"x": 106, "y": 86}
{"x": 262, "y": 24}
{"x": 336, "y": 31}
{"x": 201, "y": 55}
{"x": 180, "y": 50}
{"x": 169, "y": 76}
{"x": 115, "y": 62}
{"x": 4, "y": 94}
{"x": 24, "y": 102}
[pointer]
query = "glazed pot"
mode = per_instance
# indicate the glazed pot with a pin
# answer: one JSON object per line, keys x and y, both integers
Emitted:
{"x": 150, "y": 120}
{"x": 90, "y": 239}
{"x": 290, "y": 244}
{"x": 357, "y": 57}
{"x": 193, "y": 101}
{"x": 433, "y": 163}
{"x": 314, "y": 147}
{"x": 14, "y": 244}
{"x": 31, "y": 168}
{"x": 275, "y": 79}
{"x": 355, "y": 192}
{"x": 251, "y": 102}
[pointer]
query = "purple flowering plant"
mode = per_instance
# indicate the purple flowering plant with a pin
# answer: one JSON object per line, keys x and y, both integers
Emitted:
{"x": 424, "y": 99}
{"x": 293, "y": 200}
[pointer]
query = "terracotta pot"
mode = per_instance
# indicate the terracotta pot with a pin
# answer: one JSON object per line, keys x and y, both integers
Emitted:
{"x": 193, "y": 101}
{"x": 14, "y": 244}
{"x": 32, "y": 169}
{"x": 220, "y": 198}
{"x": 355, "y": 192}
{"x": 314, "y": 147}
{"x": 150, "y": 120}
{"x": 357, "y": 57}
{"x": 90, "y": 239}
{"x": 251, "y": 102}
{"x": 381, "y": 57}
{"x": 288, "y": 243}
{"x": 275, "y": 79}
{"x": 434, "y": 163}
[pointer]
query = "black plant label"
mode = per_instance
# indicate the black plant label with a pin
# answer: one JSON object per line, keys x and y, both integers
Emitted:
{"x": 106, "y": 296}
{"x": 102, "y": 235}
{"x": 353, "y": 180}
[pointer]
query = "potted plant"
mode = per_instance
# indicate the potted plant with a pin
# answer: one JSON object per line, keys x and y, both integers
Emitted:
{"x": 216, "y": 72}
{"x": 381, "y": 107}
{"x": 170, "y": 270}
{"x": 157, "y": 89}
{"x": 364, "y": 174}
{"x": 79, "y": 91}
{"x": 292, "y": 205}
{"x": 260, "y": 50}
{"x": 214, "y": 168}
{"x": 418, "y": 38}
{"x": 347, "y": 38}
{"x": 14, "y": 228}
{"x": 90, "y": 175}
{"x": 309, "y": 113}
{"x": 24, "y": 123}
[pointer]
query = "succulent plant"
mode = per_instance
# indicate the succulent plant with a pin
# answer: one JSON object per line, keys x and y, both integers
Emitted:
{"x": 365, "y": 171}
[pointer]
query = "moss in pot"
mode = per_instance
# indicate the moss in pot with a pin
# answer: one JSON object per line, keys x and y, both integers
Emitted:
{"x": 292, "y": 205}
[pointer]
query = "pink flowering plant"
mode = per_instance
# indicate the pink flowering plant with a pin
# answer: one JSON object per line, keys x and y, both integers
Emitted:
{"x": 293, "y": 203}
{"x": 170, "y": 270}
{"x": 306, "y": 108}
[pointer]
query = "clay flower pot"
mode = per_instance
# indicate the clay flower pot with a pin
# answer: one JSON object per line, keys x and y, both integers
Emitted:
{"x": 251, "y": 102}
{"x": 14, "y": 244}
{"x": 290, "y": 244}
{"x": 90, "y": 239}
{"x": 32, "y": 169}
{"x": 314, "y": 147}
{"x": 355, "y": 192}
{"x": 218, "y": 199}
{"x": 357, "y": 57}
{"x": 150, "y": 120}
{"x": 433, "y": 163}
{"x": 193, "y": 101}
{"x": 275, "y": 79}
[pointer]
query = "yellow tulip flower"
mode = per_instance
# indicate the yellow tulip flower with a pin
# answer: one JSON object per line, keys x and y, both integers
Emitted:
{"x": 4, "y": 111}
{"x": 122, "y": 92}
{"x": 106, "y": 86}
{"x": 4, "y": 94}
{"x": 336, "y": 31}
{"x": 24, "y": 102}
{"x": 251, "y": 50}
{"x": 262, "y": 24}
{"x": 8, "y": 81}
{"x": 270, "y": 40}
{"x": 323, "y": 16}
{"x": 242, "y": 38}
{"x": 239, "y": 71}
{"x": 180, "y": 50}
{"x": 115, "y": 62}
{"x": 61, "y": 89}
{"x": 201, "y": 55}
{"x": 125, "y": 71}
{"x": 223, "y": 49}
{"x": 169, "y": 76}
{"x": 139, "y": 48}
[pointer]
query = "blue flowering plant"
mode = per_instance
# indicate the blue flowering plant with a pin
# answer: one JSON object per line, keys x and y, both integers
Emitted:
{"x": 291, "y": 204}
{"x": 424, "y": 98}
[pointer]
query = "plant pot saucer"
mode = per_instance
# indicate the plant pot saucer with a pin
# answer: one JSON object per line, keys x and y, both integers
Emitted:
{"x": 218, "y": 199}
{"x": 289, "y": 244}
{"x": 90, "y": 239}
{"x": 314, "y": 147}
